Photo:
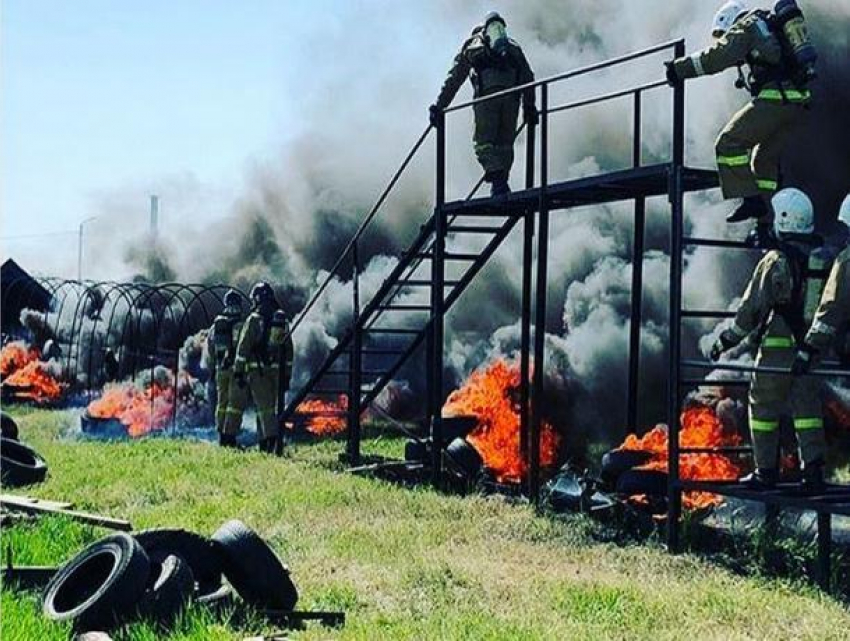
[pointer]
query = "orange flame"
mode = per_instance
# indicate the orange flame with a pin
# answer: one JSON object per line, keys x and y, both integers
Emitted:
{"x": 140, "y": 410}
{"x": 324, "y": 418}
{"x": 700, "y": 427}
{"x": 487, "y": 394}
{"x": 15, "y": 356}
{"x": 35, "y": 383}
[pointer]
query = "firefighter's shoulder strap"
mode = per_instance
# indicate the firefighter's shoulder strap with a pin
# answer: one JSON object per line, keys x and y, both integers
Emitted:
{"x": 809, "y": 265}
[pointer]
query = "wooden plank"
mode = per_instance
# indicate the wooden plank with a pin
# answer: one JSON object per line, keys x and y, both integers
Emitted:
{"x": 58, "y": 505}
{"x": 40, "y": 507}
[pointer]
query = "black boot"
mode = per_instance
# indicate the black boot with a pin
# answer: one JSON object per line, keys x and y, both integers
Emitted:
{"x": 500, "y": 186}
{"x": 267, "y": 445}
{"x": 812, "y": 480}
{"x": 760, "y": 479}
{"x": 750, "y": 207}
{"x": 227, "y": 440}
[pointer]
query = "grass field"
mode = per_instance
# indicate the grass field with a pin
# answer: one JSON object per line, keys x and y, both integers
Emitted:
{"x": 403, "y": 564}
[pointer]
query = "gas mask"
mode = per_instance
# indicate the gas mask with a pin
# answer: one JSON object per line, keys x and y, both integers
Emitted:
{"x": 496, "y": 35}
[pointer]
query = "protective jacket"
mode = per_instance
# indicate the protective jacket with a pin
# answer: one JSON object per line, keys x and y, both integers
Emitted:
{"x": 489, "y": 72}
{"x": 749, "y": 42}
{"x": 833, "y": 313}
{"x": 224, "y": 337}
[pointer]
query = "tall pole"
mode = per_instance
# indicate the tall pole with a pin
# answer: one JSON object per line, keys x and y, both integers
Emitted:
{"x": 80, "y": 246}
{"x": 437, "y": 306}
{"x": 525, "y": 322}
{"x": 154, "y": 216}
{"x": 637, "y": 281}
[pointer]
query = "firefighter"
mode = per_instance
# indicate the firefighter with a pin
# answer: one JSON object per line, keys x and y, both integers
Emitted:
{"x": 222, "y": 340}
{"x": 264, "y": 347}
{"x": 780, "y": 67}
{"x": 493, "y": 62}
{"x": 778, "y": 305}
{"x": 830, "y": 325}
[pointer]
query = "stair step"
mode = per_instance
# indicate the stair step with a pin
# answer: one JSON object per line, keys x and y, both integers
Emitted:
{"x": 392, "y": 330}
{"x": 424, "y": 283}
{"x": 382, "y": 352}
{"x": 702, "y": 382}
{"x": 452, "y": 256}
{"x": 473, "y": 229}
{"x": 329, "y": 392}
{"x": 365, "y": 372}
{"x": 706, "y": 313}
{"x": 405, "y": 308}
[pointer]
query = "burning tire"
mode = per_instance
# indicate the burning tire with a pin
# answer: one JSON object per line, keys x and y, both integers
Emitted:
{"x": 649, "y": 482}
{"x": 20, "y": 464}
{"x": 253, "y": 569}
{"x": 616, "y": 462}
{"x": 197, "y": 551}
{"x": 100, "y": 586}
{"x": 8, "y": 427}
{"x": 170, "y": 588}
{"x": 464, "y": 459}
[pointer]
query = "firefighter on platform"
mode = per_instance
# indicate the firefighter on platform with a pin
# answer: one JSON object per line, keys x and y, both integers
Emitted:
{"x": 832, "y": 319}
{"x": 262, "y": 367}
{"x": 494, "y": 62}
{"x": 222, "y": 340}
{"x": 778, "y": 306}
{"x": 780, "y": 58}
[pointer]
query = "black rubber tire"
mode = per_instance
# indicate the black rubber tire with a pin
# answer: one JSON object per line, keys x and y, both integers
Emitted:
{"x": 170, "y": 588}
{"x": 8, "y": 427}
{"x": 20, "y": 464}
{"x": 101, "y": 586}
{"x": 196, "y": 550}
{"x": 220, "y": 597}
{"x": 649, "y": 482}
{"x": 417, "y": 451}
{"x": 615, "y": 462}
{"x": 253, "y": 569}
{"x": 464, "y": 458}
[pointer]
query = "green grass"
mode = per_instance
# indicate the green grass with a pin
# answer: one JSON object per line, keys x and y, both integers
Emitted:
{"x": 403, "y": 564}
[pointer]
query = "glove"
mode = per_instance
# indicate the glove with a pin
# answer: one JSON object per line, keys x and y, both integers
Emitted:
{"x": 672, "y": 77}
{"x": 727, "y": 341}
{"x": 529, "y": 113}
{"x": 435, "y": 115}
{"x": 803, "y": 361}
{"x": 239, "y": 377}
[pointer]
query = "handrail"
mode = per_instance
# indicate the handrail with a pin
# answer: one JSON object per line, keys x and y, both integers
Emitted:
{"x": 609, "y": 96}
{"x": 825, "y": 371}
{"x": 366, "y": 222}
{"x": 567, "y": 75}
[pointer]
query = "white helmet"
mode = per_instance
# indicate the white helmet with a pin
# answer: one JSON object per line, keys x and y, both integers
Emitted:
{"x": 727, "y": 16}
{"x": 844, "y": 212}
{"x": 793, "y": 213}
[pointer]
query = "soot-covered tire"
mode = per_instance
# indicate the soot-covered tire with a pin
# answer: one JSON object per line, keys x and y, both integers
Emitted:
{"x": 101, "y": 586}
{"x": 616, "y": 462}
{"x": 253, "y": 569}
{"x": 649, "y": 482}
{"x": 196, "y": 550}
{"x": 20, "y": 464}
{"x": 220, "y": 597}
{"x": 464, "y": 458}
{"x": 170, "y": 587}
{"x": 8, "y": 427}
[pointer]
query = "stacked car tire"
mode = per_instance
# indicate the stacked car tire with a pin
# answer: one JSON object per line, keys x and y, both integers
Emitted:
{"x": 155, "y": 574}
{"x": 19, "y": 463}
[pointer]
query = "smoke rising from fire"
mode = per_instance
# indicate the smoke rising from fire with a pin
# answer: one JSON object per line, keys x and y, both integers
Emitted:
{"x": 299, "y": 209}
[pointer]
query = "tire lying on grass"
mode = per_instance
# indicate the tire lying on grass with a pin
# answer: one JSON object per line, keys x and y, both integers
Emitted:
{"x": 649, "y": 482}
{"x": 253, "y": 569}
{"x": 170, "y": 588}
{"x": 196, "y": 550}
{"x": 8, "y": 427}
{"x": 20, "y": 464}
{"x": 616, "y": 462}
{"x": 101, "y": 586}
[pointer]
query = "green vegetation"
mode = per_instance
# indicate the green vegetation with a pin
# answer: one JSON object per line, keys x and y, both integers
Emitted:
{"x": 403, "y": 564}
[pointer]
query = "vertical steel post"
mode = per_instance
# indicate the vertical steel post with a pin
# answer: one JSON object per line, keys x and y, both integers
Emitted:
{"x": 540, "y": 312}
{"x": 437, "y": 306}
{"x": 637, "y": 281}
{"x": 676, "y": 196}
{"x": 525, "y": 322}
{"x": 354, "y": 362}
{"x": 825, "y": 551}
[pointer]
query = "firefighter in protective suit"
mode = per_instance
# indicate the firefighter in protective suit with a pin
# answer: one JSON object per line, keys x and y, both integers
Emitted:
{"x": 749, "y": 147}
{"x": 494, "y": 62}
{"x": 779, "y": 304}
{"x": 262, "y": 367}
{"x": 223, "y": 336}
{"x": 832, "y": 319}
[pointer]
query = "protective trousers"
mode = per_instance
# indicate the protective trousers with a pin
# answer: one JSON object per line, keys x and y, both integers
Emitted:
{"x": 495, "y": 129}
{"x": 223, "y": 380}
{"x": 750, "y": 147}
{"x": 770, "y": 396}
{"x": 261, "y": 385}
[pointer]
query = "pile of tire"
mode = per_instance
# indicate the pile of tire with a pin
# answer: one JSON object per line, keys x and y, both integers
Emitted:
{"x": 623, "y": 472}
{"x": 19, "y": 463}
{"x": 155, "y": 574}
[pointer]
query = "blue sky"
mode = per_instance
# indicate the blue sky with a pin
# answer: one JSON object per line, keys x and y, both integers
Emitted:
{"x": 98, "y": 94}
